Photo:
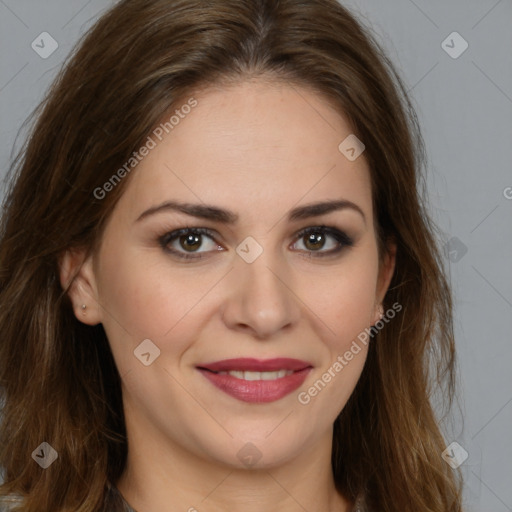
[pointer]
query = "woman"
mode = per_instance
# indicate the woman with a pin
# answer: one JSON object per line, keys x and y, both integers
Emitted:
{"x": 220, "y": 284}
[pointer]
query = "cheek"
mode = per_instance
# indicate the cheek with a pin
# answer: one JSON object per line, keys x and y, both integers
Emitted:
{"x": 141, "y": 300}
{"x": 345, "y": 298}
{"x": 142, "y": 288}
{"x": 148, "y": 297}
{"x": 348, "y": 309}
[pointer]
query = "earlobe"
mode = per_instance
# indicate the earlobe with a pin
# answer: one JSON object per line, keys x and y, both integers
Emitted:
{"x": 379, "y": 313}
{"x": 78, "y": 281}
{"x": 386, "y": 271}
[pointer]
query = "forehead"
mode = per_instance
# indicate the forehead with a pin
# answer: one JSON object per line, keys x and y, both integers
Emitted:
{"x": 259, "y": 145}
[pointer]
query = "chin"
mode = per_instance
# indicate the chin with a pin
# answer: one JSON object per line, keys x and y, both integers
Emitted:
{"x": 257, "y": 451}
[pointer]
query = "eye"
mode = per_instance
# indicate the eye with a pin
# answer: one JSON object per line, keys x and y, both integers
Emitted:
{"x": 187, "y": 238}
{"x": 184, "y": 243}
{"x": 315, "y": 239}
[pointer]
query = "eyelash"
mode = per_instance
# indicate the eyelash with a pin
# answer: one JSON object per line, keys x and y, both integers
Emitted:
{"x": 342, "y": 238}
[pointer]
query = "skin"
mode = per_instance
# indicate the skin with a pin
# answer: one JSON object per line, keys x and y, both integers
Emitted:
{"x": 258, "y": 149}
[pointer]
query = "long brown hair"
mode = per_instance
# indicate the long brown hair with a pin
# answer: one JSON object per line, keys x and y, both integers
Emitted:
{"x": 58, "y": 380}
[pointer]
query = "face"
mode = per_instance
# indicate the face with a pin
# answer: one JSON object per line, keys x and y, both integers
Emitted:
{"x": 249, "y": 284}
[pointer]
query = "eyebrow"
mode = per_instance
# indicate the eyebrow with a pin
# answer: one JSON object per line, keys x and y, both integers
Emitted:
{"x": 215, "y": 214}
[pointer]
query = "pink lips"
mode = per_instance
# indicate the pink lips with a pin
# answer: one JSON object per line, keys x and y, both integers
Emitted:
{"x": 257, "y": 391}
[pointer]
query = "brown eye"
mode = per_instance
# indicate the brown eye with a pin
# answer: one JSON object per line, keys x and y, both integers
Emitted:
{"x": 316, "y": 238}
{"x": 185, "y": 242}
{"x": 314, "y": 241}
{"x": 191, "y": 241}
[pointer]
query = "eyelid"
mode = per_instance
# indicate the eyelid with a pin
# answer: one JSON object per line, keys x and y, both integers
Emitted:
{"x": 344, "y": 240}
{"x": 336, "y": 233}
{"x": 169, "y": 236}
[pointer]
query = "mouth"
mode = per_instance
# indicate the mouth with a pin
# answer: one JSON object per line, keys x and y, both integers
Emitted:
{"x": 254, "y": 380}
{"x": 247, "y": 375}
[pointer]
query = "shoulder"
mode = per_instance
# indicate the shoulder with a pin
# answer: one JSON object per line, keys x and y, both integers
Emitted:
{"x": 113, "y": 503}
{"x": 7, "y": 503}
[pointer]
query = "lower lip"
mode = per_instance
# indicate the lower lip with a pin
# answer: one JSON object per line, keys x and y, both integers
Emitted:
{"x": 257, "y": 391}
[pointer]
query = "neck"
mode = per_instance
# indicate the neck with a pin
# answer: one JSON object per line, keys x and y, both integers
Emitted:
{"x": 157, "y": 480}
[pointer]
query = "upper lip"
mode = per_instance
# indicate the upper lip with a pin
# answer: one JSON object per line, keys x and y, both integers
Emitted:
{"x": 256, "y": 365}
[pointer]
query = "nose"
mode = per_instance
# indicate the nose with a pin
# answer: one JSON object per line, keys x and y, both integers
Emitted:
{"x": 261, "y": 299}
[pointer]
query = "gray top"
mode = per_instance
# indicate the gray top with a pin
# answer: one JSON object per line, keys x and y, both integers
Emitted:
{"x": 8, "y": 502}
{"x": 114, "y": 501}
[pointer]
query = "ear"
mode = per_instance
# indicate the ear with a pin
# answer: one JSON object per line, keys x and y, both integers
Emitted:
{"x": 386, "y": 271}
{"x": 78, "y": 280}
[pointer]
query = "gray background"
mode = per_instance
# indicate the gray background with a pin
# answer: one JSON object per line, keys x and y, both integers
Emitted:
{"x": 465, "y": 109}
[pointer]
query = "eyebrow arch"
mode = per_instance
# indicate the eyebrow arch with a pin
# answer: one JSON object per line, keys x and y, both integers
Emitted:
{"x": 215, "y": 214}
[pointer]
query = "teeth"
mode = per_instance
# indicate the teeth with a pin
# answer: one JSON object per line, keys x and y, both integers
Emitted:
{"x": 257, "y": 375}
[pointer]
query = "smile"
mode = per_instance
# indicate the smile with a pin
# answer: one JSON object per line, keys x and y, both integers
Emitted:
{"x": 239, "y": 374}
{"x": 257, "y": 381}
